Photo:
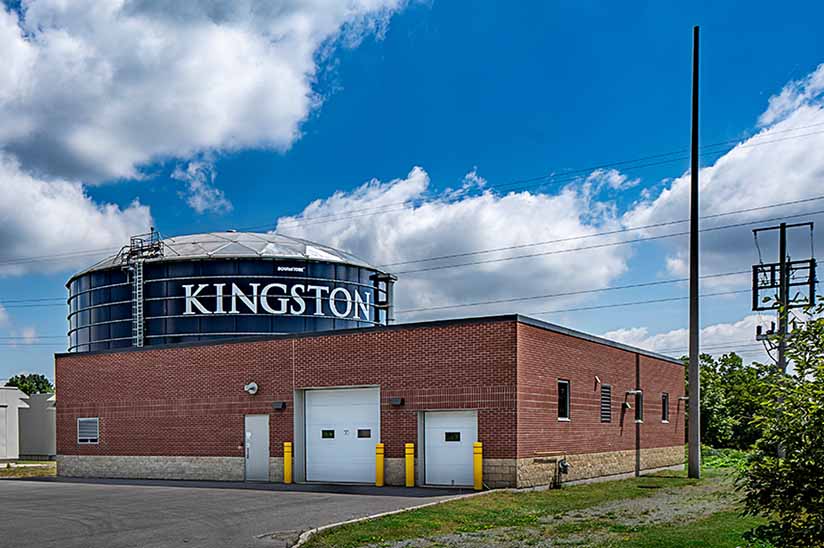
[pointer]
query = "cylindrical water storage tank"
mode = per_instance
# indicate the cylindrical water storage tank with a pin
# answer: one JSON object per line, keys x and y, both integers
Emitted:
{"x": 221, "y": 285}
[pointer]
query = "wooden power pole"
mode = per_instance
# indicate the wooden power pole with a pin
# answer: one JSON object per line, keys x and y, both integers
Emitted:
{"x": 694, "y": 372}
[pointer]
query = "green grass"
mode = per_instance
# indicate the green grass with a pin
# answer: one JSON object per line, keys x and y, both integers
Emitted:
{"x": 522, "y": 517}
{"x": 29, "y": 471}
{"x": 722, "y": 458}
{"x": 720, "y": 530}
{"x": 494, "y": 510}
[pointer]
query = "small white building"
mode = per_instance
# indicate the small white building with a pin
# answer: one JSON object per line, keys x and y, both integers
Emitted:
{"x": 12, "y": 400}
{"x": 38, "y": 428}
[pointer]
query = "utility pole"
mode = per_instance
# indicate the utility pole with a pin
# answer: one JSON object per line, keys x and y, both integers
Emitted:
{"x": 781, "y": 277}
{"x": 783, "y": 297}
{"x": 694, "y": 373}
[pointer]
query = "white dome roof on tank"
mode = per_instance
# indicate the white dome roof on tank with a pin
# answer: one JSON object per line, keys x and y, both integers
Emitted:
{"x": 239, "y": 245}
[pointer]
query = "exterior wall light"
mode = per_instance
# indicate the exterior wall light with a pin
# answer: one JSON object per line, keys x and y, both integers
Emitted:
{"x": 396, "y": 402}
{"x": 279, "y": 405}
{"x": 251, "y": 388}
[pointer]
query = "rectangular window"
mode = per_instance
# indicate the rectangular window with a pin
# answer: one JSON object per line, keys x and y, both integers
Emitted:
{"x": 606, "y": 403}
{"x": 452, "y": 436}
{"x": 639, "y": 407}
{"x": 364, "y": 433}
{"x": 327, "y": 434}
{"x": 665, "y": 407}
{"x": 88, "y": 431}
{"x": 563, "y": 400}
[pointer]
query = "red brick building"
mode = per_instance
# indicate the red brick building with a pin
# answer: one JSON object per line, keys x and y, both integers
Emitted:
{"x": 538, "y": 396}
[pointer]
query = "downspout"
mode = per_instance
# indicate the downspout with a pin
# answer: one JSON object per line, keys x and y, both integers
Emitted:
{"x": 637, "y": 423}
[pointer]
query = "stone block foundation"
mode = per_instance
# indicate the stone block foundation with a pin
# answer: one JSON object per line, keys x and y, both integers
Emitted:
{"x": 543, "y": 470}
{"x": 394, "y": 471}
{"x": 497, "y": 473}
{"x": 276, "y": 469}
{"x": 154, "y": 467}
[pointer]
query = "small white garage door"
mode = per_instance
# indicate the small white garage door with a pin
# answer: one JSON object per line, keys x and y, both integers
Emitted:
{"x": 342, "y": 428}
{"x": 448, "y": 446}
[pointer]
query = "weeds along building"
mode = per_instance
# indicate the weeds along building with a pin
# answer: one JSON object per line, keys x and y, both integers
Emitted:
{"x": 198, "y": 357}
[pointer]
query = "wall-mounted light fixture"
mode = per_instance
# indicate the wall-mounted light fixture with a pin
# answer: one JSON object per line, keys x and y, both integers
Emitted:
{"x": 251, "y": 388}
{"x": 279, "y": 405}
{"x": 396, "y": 402}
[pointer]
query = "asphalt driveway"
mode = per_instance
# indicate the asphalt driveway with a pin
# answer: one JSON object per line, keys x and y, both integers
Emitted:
{"x": 63, "y": 513}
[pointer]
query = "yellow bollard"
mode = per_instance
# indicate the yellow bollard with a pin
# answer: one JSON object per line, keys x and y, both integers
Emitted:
{"x": 410, "y": 464}
{"x": 478, "y": 464}
{"x": 287, "y": 462}
{"x": 379, "y": 465}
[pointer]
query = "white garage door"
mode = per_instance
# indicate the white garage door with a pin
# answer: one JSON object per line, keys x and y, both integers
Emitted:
{"x": 448, "y": 446}
{"x": 342, "y": 428}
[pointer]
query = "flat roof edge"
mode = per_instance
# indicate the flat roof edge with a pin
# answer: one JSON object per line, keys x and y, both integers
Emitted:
{"x": 534, "y": 322}
{"x": 518, "y": 318}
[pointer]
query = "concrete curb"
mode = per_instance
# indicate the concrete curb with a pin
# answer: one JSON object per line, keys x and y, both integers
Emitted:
{"x": 307, "y": 535}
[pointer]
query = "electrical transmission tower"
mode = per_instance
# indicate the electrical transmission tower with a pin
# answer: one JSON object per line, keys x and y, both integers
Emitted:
{"x": 773, "y": 285}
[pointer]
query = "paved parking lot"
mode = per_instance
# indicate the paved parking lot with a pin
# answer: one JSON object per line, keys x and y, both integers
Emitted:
{"x": 62, "y": 513}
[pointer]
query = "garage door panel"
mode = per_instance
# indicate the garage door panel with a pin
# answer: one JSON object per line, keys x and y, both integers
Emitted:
{"x": 448, "y": 444}
{"x": 342, "y": 428}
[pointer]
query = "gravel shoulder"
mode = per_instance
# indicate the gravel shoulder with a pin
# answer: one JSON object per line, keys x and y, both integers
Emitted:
{"x": 612, "y": 523}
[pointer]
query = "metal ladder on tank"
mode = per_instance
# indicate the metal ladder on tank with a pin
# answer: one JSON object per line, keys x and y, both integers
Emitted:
{"x": 140, "y": 248}
{"x": 137, "y": 303}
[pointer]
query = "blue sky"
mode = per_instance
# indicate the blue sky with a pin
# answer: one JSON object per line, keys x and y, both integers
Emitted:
{"x": 507, "y": 91}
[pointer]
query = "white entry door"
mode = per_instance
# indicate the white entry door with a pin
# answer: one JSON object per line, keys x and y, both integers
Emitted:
{"x": 342, "y": 428}
{"x": 257, "y": 447}
{"x": 448, "y": 440}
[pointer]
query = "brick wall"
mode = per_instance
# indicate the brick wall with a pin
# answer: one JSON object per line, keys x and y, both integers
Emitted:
{"x": 189, "y": 401}
{"x": 546, "y": 356}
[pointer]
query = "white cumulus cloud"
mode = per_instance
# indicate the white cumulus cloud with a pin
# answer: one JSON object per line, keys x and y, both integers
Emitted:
{"x": 95, "y": 89}
{"x": 415, "y": 225}
{"x": 716, "y": 339}
{"x": 201, "y": 193}
{"x": 56, "y": 220}
{"x": 781, "y": 163}
{"x": 794, "y": 95}
{"x": 28, "y": 334}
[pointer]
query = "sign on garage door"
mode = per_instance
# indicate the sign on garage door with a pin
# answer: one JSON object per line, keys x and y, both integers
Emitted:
{"x": 449, "y": 436}
{"x": 342, "y": 428}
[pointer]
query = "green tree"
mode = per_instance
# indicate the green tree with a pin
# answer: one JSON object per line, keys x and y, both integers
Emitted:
{"x": 784, "y": 477}
{"x": 717, "y": 421}
{"x": 730, "y": 394}
{"x": 32, "y": 384}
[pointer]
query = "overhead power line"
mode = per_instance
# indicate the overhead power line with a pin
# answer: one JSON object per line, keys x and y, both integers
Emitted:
{"x": 569, "y": 293}
{"x": 605, "y": 245}
{"x": 599, "y": 234}
{"x": 577, "y": 309}
{"x": 24, "y": 260}
{"x": 631, "y": 303}
{"x": 551, "y": 178}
